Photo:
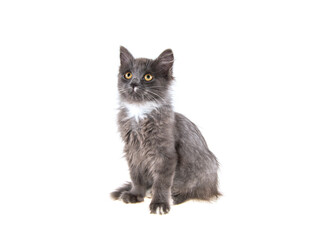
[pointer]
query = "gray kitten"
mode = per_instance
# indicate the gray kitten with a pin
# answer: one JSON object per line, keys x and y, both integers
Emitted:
{"x": 165, "y": 151}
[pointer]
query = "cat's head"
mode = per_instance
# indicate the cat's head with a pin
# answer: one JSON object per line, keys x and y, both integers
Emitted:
{"x": 142, "y": 80}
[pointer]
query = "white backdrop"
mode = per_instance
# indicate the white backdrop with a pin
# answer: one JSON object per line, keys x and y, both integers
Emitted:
{"x": 244, "y": 74}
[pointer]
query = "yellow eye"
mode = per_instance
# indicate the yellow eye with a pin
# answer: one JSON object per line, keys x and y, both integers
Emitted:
{"x": 148, "y": 77}
{"x": 128, "y": 75}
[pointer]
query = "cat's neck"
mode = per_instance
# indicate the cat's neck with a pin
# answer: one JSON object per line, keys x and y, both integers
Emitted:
{"x": 140, "y": 111}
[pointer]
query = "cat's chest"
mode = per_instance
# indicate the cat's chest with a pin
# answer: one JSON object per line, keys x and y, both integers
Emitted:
{"x": 138, "y": 132}
{"x": 140, "y": 129}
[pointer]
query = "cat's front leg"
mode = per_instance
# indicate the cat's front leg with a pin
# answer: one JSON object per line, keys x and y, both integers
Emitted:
{"x": 136, "y": 194}
{"x": 137, "y": 191}
{"x": 164, "y": 171}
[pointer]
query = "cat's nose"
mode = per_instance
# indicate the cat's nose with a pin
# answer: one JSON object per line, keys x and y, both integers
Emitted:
{"x": 134, "y": 83}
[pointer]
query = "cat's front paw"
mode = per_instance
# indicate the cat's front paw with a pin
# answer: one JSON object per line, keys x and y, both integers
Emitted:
{"x": 128, "y": 197}
{"x": 161, "y": 208}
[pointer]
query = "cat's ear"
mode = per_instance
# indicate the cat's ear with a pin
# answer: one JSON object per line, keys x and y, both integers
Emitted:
{"x": 165, "y": 60}
{"x": 125, "y": 56}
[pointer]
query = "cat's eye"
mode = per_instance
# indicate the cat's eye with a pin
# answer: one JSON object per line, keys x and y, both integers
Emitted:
{"x": 148, "y": 77}
{"x": 128, "y": 75}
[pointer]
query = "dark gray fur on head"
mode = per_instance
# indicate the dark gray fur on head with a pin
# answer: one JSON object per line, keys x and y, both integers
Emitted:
{"x": 165, "y": 151}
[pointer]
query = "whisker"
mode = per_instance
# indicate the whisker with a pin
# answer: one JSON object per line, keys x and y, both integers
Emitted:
{"x": 157, "y": 95}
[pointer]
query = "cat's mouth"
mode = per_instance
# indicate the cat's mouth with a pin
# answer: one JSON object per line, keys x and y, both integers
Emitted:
{"x": 135, "y": 93}
{"x": 135, "y": 89}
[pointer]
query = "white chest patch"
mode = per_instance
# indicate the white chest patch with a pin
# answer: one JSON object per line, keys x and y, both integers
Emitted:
{"x": 140, "y": 111}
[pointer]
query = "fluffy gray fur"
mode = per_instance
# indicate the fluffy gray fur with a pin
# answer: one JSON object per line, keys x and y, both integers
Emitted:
{"x": 165, "y": 151}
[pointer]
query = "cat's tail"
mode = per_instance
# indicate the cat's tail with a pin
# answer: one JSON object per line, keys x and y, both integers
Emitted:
{"x": 117, "y": 193}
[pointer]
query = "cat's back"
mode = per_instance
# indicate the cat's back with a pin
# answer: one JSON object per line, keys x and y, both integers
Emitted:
{"x": 186, "y": 130}
{"x": 190, "y": 143}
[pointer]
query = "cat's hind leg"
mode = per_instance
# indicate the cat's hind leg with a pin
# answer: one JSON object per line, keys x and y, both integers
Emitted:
{"x": 206, "y": 191}
{"x": 201, "y": 194}
{"x": 180, "y": 198}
